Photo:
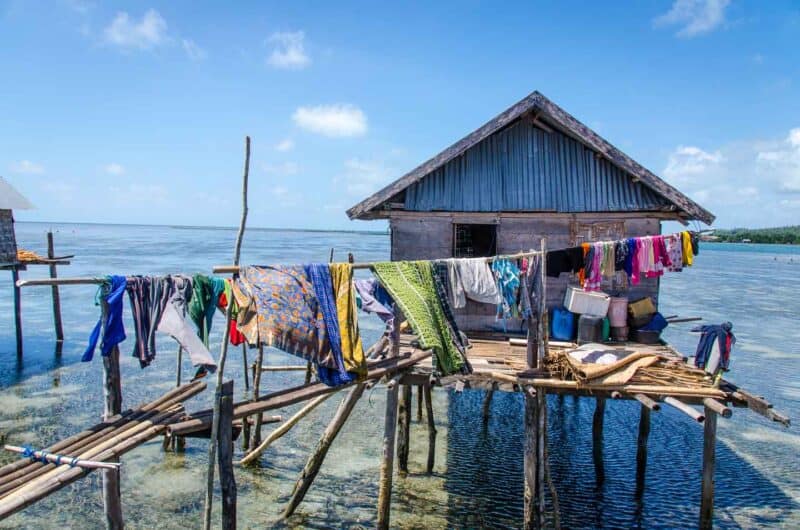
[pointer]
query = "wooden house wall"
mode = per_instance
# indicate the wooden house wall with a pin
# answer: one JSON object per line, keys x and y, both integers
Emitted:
{"x": 8, "y": 244}
{"x": 427, "y": 236}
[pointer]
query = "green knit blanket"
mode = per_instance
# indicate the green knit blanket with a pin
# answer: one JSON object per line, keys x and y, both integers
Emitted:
{"x": 412, "y": 287}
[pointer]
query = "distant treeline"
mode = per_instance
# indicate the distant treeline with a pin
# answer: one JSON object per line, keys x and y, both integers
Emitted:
{"x": 782, "y": 235}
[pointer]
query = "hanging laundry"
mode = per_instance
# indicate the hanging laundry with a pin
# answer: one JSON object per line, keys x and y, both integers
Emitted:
{"x": 203, "y": 304}
{"x": 110, "y": 322}
{"x": 455, "y": 291}
{"x": 725, "y": 340}
{"x": 688, "y": 253}
{"x": 475, "y": 281}
{"x": 278, "y": 308}
{"x": 347, "y": 313}
{"x": 369, "y": 292}
{"x": 320, "y": 277}
{"x": 674, "y": 247}
{"x": 441, "y": 281}
{"x": 620, "y": 254}
{"x": 148, "y": 297}
{"x": 412, "y": 287}
{"x": 566, "y": 260}
{"x": 235, "y": 336}
{"x": 173, "y": 322}
{"x": 507, "y": 275}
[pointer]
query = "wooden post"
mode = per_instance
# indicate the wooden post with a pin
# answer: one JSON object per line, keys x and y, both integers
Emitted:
{"x": 244, "y": 366}
{"x": 255, "y": 435}
{"x": 541, "y": 441}
{"x": 112, "y": 392}
{"x": 487, "y": 403}
{"x": 597, "y": 439}
{"x": 709, "y": 463}
{"x": 172, "y": 441}
{"x": 51, "y": 253}
{"x": 419, "y": 403}
{"x": 431, "y": 429}
{"x": 542, "y": 322}
{"x": 641, "y": 449}
{"x": 387, "y": 464}
{"x": 532, "y": 517}
{"x": 212, "y": 443}
{"x": 17, "y": 310}
{"x": 314, "y": 462}
{"x": 227, "y": 480}
{"x": 404, "y": 424}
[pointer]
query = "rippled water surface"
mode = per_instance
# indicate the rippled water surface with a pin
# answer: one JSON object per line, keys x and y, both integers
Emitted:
{"x": 478, "y": 476}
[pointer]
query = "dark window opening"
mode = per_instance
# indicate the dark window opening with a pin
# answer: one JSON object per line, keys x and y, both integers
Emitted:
{"x": 474, "y": 241}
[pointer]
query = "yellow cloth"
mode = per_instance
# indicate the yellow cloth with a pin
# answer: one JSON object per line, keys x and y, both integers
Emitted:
{"x": 347, "y": 312}
{"x": 688, "y": 255}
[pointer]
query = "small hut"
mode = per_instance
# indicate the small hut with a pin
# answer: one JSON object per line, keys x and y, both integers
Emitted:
{"x": 533, "y": 171}
{"x": 10, "y": 199}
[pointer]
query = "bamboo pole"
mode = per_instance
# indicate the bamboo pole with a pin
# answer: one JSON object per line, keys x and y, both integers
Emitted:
{"x": 244, "y": 366}
{"x": 641, "y": 449}
{"x": 597, "y": 439}
{"x": 17, "y": 310}
{"x": 51, "y": 254}
{"x": 315, "y": 461}
{"x": 387, "y": 463}
{"x": 283, "y": 429}
{"x": 431, "y": 429}
{"x": 404, "y": 426}
{"x": 284, "y": 368}
{"x": 212, "y": 445}
{"x": 59, "y": 459}
{"x": 227, "y": 480}
{"x": 686, "y": 409}
{"x": 718, "y": 407}
{"x": 255, "y": 435}
{"x": 709, "y": 464}
{"x": 647, "y": 402}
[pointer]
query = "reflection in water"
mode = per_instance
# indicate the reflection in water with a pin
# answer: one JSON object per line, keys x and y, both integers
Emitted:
{"x": 478, "y": 476}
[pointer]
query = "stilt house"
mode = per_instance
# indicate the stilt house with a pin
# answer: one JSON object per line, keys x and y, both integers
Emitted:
{"x": 10, "y": 199}
{"x": 533, "y": 171}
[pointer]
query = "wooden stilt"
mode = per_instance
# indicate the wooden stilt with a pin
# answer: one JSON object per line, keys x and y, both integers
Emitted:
{"x": 387, "y": 464}
{"x": 51, "y": 253}
{"x": 244, "y": 367}
{"x": 641, "y": 449}
{"x": 541, "y": 442}
{"x": 255, "y": 435}
{"x": 709, "y": 463}
{"x": 227, "y": 480}
{"x": 532, "y": 518}
{"x": 597, "y": 439}
{"x": 314, "y": 463}
{"x": 487, "y": 403}
{"x": 112, "y": 392}
{"x": 404, "y": 424}
{"x": 431, "y": 429}
{"x": 17, "y": 310}
{"x": 419, "y": 403}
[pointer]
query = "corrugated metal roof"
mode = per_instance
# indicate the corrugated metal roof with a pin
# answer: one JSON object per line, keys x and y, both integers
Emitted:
{"x": 11, "y": 199}
{"x": 523, "y": 168}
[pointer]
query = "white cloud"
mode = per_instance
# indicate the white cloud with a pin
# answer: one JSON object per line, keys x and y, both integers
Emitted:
{"x": 280, "y": 191}
{"x": 135, "y": 192}
{"x": 332, "y": 120}
{"x": 26, "y": 167}
{"x": 289, "y": 50}
{"x": 114, "y": 169}
{"x": 362, "y": 177}
{"x": 195, "y": 52}
{"x": 146, "y": 34}
{"x": 285, "y": 145}
{"x": 285, "y": 169}
{"x": 695, "y": 16}
{"x": 747, "y": 183}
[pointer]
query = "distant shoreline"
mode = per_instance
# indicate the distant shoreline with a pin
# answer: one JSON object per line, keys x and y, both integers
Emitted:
{"x": 221, "y": 228}
{"x": 784, "y": 235}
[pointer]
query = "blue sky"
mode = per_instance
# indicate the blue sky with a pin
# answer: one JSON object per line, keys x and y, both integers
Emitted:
{"x": 136, "y": 112}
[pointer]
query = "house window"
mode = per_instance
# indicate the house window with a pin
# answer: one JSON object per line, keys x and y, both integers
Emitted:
{"x": 474, "y": 241}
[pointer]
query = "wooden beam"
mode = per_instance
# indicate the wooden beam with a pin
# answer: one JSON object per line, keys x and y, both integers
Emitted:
{"x": 718, "y": 407}
{"x": 709, "y": 463}
{"x": 227, "y": 479}
{"x": 387, "y": 463}
{"x": 315, "y": 461}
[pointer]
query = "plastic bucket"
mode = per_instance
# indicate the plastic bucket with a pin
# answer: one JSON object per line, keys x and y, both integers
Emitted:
{"x": 618, "y": 312}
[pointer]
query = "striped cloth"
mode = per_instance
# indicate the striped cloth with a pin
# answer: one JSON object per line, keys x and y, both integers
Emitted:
{"x": 411, "y": 285}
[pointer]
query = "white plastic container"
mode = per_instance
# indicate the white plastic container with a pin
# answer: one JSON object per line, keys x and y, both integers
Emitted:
{"x": 591, "y": 303}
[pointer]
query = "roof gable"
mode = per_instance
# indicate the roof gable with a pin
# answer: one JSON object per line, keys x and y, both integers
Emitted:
{"x": 546, "y": 114}
{"x": 11, "y": 199}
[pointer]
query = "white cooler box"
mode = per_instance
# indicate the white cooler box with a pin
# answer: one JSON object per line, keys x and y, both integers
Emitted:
{"x": 592, "y": 303}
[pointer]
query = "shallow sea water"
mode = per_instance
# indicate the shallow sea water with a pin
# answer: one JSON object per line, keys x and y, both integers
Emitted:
{"x": 478, "y": 475}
